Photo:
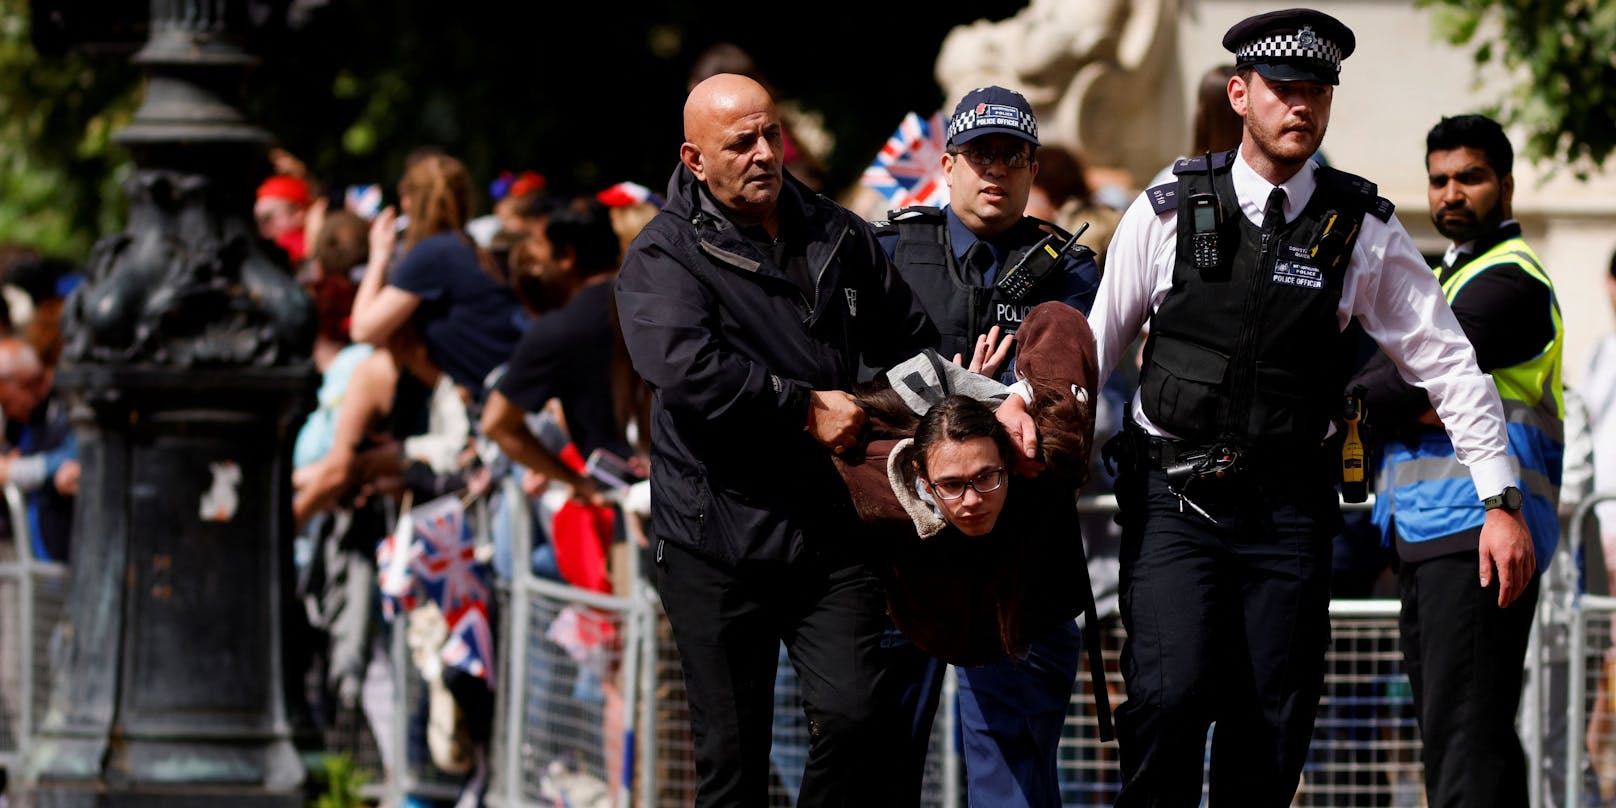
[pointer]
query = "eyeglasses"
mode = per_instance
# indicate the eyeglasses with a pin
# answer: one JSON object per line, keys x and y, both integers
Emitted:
{"x": 984, "y": 483}
{"x": 982, "y": 159}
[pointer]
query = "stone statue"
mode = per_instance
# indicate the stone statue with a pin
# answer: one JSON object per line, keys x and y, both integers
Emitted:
{"x": 186, "y": 286}
{"x": 1101, "y": 74}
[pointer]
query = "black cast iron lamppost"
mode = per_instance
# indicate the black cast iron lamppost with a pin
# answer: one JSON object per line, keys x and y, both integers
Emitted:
{"x": 187, "y": 358}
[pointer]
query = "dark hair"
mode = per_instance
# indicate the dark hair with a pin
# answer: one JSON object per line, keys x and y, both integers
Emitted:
{"x": 956, "y": 419}
{"x": 540, "y": 204}
{"x": 887, "y": 415}
{"x": 342, "y": 243}
{"x": 586, "y": 228}
{"x": 1061, "y": 175}
{"x": 1217, "y": 126}
{"x": 1476, "y": 132}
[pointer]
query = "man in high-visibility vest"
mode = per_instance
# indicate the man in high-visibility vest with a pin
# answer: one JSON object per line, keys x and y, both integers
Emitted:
{"x": 1463, "y": 645}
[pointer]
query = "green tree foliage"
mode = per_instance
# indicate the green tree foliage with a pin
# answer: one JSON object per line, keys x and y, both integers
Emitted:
{"x": 1565, "y": 53}
{"x": 60, "y": 172}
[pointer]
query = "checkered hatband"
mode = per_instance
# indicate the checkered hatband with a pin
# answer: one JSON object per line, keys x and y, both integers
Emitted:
{"x": 1304, "y": 44}
{"x": 993, "y": 115}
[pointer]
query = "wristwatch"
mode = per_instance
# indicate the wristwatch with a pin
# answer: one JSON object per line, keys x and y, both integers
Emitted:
{"x": 1509, "y": 499}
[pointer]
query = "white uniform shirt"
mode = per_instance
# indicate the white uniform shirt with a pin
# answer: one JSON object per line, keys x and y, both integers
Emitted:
{"x": 1599, "y": 393}
{"x": 1387, "y": 286}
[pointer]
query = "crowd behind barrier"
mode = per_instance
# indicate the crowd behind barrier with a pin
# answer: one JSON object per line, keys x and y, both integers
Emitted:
{"x": 560, "y": 719}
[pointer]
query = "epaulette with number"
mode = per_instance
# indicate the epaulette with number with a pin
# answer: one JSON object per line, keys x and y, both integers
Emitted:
{"x": 1366, "y": 193}
{"x": 1382, "y": 208}
{"x": 1163, "y": 197}
{"x": 1185, "y": 165}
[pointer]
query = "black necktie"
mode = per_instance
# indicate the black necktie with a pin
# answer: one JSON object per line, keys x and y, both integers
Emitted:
{"x": 1274, "y": 214}
{"x": 979, "y": 261}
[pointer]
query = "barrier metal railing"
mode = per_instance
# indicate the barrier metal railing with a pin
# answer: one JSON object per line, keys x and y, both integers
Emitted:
{"x": 612, "y": 730}
{"x": 33, "y": 596}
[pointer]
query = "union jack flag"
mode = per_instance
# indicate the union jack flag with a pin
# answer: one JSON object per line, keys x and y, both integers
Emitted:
{"x": 471, "y": 642}
{"x": 432, "y": 553}
{"x": 908, "y": 170}
{"x": 395, "y": 573}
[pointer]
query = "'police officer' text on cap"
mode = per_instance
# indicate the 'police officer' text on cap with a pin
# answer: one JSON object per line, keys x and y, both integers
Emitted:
{"x": 986, "y": 110}
{"x": 1296, "y": 44}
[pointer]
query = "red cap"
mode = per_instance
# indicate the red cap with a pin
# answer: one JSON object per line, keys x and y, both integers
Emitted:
{"x": 282, "y": 186}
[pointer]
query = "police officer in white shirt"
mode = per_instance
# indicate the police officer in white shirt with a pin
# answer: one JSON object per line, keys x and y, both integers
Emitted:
{"x": 1248, "y": 268}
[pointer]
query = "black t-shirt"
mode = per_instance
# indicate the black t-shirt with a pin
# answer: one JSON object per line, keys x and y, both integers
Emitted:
{"x": 466, "y": 319}
{"x": 566, "y": 354}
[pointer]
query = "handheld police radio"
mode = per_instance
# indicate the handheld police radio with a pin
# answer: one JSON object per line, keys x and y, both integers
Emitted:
{"x": 1354, "y": 483}
{"x": 1206, "y": 219}
{"x": 1015, "y": 282}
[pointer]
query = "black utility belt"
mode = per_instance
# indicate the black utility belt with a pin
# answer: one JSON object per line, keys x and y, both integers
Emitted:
{"x": 1183, "y": 461}
{"x": 1223, "y": 458}
{"x": 1133, "y": 448}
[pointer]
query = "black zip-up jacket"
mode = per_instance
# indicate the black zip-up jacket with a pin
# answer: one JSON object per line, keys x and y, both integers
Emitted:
{"x": 732, "y": 345}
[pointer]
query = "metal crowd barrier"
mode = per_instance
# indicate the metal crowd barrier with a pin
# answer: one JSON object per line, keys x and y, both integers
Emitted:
{"x": 400, "y": 766}
{"x": 1365, "y": 750}
{"x": 611, "y": 727}
{"x": 563, "y": 733}
{"x": 33, "y": 601}
{"x": 1581, "y": 751}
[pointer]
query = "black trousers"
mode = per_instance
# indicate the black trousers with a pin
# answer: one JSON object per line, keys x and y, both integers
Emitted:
{"x": 1227, "y": 623}
{"x": 1464, "y": 657}
{"x": 728, "y": 625}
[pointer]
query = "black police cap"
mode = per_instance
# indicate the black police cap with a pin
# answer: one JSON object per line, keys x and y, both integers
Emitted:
{"x": 1293, "y": 44}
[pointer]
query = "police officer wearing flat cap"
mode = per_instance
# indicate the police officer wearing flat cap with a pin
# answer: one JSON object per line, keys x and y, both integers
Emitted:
{"x": 978, "y": 265}
{"x": 1248, "y": 267}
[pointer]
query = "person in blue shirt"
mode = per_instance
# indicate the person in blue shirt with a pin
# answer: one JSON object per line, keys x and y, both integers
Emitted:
{"x": 954, "y": 258}
{"x": 441, "y": 283}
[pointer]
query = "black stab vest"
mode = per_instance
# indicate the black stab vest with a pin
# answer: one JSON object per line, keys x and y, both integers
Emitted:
{"x": 1251, "y": 353}
{"x": 961, "y": 309}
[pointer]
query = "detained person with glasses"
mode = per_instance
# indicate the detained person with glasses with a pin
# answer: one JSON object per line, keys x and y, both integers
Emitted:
{"x": 980, "y": 550}
{"x": 978, "y": 266}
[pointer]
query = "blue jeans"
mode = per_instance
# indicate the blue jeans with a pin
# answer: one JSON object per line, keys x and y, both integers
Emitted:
{"x": 1012, "y": 713}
